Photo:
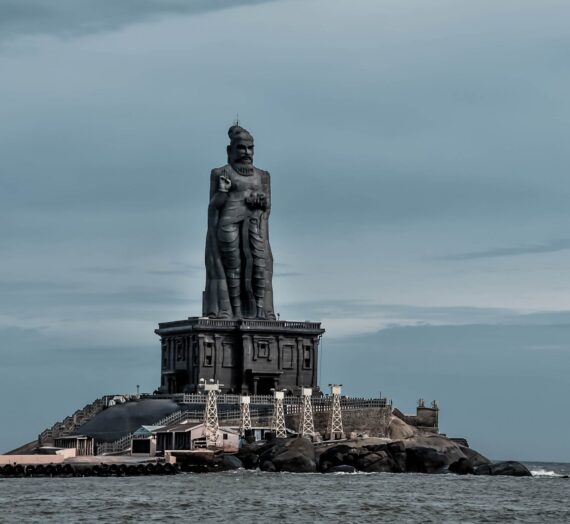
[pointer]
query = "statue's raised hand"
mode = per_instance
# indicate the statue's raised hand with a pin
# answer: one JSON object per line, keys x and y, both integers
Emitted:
{"x": 224, "y": 183}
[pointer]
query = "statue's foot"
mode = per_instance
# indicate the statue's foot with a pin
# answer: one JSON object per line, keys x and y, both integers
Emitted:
{"x": 261, "y": 314}
{"x": 237, "y": 313}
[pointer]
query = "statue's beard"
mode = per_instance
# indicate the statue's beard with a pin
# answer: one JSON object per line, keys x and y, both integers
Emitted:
{"x": 243, "y": 169}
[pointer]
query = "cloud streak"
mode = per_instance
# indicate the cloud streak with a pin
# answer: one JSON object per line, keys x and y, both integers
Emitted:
{"x": 72, "y": 18}
{"x": 550, "y": 247}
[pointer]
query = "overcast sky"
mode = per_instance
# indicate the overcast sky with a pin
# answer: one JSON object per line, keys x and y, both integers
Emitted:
{"x": 419, "y": 158}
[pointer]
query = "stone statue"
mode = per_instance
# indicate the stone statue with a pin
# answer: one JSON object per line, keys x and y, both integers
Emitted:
{"x": 239, "y": 263}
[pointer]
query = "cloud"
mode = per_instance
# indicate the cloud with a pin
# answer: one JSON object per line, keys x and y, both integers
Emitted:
{"x": 26, "y": 286}
{"x": 71, "y": 18}
{"x": 365, "y": 309}
{"x": 343, "y": 318}
{"x": 550, "y": 247}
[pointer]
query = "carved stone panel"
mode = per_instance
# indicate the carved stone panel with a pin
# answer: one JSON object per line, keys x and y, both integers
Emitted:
{"x": 228, "y": 358}
{"x": 307, "y": 356}
{"x": 209, "y": 353}
{"x": 288, "y": 356}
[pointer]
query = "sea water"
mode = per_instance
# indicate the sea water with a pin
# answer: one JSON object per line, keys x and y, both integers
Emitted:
{"x": 256, "y": 497}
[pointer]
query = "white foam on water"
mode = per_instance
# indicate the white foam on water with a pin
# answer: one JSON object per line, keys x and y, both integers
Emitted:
{"x": 544, "y": 473}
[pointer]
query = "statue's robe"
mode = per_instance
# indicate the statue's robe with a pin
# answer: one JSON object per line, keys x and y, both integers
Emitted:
{"x": 216, "y": 300}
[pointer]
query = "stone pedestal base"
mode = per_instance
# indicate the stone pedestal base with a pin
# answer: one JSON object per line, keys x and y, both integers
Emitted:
{"x": 246, "y": 356}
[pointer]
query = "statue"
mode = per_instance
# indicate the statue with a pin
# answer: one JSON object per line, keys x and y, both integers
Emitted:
{"x": 239, "y": 263}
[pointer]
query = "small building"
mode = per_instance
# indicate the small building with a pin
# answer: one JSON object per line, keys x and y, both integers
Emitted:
{"x": 82, "y": 444}
{"x": 143, "y": 441}
{"x": 257, "y": 432}
{"x": 189, "y": 436}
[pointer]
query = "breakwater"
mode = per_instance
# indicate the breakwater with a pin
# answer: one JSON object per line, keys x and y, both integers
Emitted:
{"x": 86, "y": 470}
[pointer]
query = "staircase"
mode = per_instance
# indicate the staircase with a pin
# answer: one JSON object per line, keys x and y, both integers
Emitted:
{"x": 69, "y": 424}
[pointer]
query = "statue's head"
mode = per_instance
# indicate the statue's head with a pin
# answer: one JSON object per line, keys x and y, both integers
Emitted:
{"x": 240, "y": 150}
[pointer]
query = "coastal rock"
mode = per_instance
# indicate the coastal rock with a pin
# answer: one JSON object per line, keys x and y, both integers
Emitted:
{"x": 397, "y": 451}
{"x": 379, "y": 462}
{"x": 375, "y": 458}
{"x": 336, "y": 456}
{"x": 430, "y": 453}
{"x": 462, "y": 466}
{"x": 475, "y": 458}
{"x": 296, "y": 455}
{"x": 397, "y": 429}
{"x": 268, "y": 466}
{"x": 425, "y": 460}
{"x": 249, "y": 457}
{"x": 230, "y": 462}
{"x": 510, "y": 468}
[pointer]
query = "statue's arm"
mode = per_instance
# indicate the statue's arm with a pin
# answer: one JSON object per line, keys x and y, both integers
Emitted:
{"x": 218, "y": 195}
{"x": 267, "y": 191}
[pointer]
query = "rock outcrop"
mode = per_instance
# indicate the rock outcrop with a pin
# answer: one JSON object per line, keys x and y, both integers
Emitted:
{"x": 510, "y": 468}
{"x": 296, "y": 455}
{"x": 417, "y": 454}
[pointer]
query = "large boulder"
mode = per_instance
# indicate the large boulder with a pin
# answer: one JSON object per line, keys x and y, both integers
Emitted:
{"x": 296, "y": 455}
{"x": 398, "y": 429}
{"x": 425, "y": 460}
{"x": 397, "y": 451}
{"x": 430, "y": 453}
{"x": 510, "y": 468}
{"x": 377, "y": 462}
{"x": 475, "y": 458}
{"x": 365, "y": 456}
{"x": 230, "y": 462}
{"x": 249, "y": 456}
{"x": 462, "y": 466}
{"x": 336, "y": 456}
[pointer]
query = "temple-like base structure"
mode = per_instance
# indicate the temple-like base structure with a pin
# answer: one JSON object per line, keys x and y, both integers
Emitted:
{"x": 246, "y": 356}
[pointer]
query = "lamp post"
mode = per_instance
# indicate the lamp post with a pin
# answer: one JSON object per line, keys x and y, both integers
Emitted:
{"x": 307, "y": 427}
{"x": 335, "y": 429}
{"x": 245, "y": 419}
{"x": 212, "y": 389}
{"x": 278, "y": 418}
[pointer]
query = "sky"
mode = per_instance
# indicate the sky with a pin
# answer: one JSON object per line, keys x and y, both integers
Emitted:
{"x": 419, "y": 160}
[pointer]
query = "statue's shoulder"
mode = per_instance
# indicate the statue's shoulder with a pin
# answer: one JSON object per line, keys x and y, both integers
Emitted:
{"x": 217, "y": 171}
{"x": 263, "y": 174}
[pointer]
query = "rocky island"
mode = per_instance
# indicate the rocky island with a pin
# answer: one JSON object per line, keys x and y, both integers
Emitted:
{"x": 239, "y": 388}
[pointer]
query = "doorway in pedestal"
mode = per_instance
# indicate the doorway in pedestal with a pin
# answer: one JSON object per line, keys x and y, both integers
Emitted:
{"x": 265, "y": 385}
{"x": 180, "y": 380}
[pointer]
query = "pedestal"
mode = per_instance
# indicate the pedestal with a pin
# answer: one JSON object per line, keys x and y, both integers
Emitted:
{"x": 246, "y": 356}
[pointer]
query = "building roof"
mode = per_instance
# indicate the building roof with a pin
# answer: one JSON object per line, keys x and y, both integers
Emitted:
{"x": 189, "y": 426}
{"x": 146, "y": 431}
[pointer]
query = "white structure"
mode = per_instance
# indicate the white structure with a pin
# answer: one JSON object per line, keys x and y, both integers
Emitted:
{"x": 278, "y": 419}
{"x": 307, "y": 428}
{"x": 245, "y": 419}
{"x": 189, "y": 436}
{"x": 211, "y": 412}
{"x": 335, "y": 430}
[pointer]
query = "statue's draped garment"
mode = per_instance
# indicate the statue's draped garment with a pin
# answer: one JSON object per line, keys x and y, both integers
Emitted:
{"x": 238, "y": 254}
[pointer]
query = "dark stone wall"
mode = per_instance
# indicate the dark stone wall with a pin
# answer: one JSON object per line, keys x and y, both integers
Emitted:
{"x": 245, "y": 356}
{"x": 373, "y": 421}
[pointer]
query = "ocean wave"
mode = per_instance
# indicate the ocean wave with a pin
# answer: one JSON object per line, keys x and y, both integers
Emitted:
{"x": 544, "y": 473}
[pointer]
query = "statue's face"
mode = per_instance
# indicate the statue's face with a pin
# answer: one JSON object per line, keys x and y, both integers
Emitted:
{"x": 241, "y": 152}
